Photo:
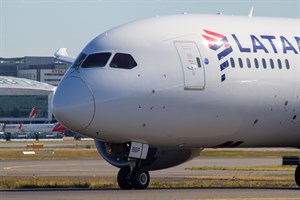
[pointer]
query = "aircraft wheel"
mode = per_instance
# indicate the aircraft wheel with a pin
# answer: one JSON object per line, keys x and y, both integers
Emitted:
{"x": 140, "y": 178}
{"x": 297, "y": 175}
{"x": 123, "y": 178}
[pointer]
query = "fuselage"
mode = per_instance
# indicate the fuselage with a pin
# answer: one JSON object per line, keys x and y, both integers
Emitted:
{"x": 194, "y": 81}
{"x": 14, "y": 128}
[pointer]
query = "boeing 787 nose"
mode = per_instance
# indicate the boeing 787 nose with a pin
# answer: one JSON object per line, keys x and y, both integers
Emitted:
{"x": 74, "y": 104}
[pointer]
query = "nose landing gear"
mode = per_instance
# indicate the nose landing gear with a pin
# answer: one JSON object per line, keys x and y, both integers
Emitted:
{"x": 135, "y": 178}
{"x": 129, "y": 158}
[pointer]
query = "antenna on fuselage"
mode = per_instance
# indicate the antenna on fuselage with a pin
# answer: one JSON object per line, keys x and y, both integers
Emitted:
{"x": 251, "y": 12}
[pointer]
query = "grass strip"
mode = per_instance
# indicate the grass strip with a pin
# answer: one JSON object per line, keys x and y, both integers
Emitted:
{"x": 245, "y": 153}
{"x": 245, "y": 168}
{"x": 188, "y": 182}
{"x": 93, "y": 153}
{"x": 207, "y": 183}
{"x": 55, "y": 182}
{"x": 50, "y": 154}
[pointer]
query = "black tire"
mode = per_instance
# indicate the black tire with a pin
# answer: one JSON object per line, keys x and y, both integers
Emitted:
{"x": 124, "y": 179}
{"x": 297, "y": 175}
{"x": 140, "y": 179}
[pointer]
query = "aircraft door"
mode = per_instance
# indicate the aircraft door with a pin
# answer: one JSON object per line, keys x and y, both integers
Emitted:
{"x": 193, "y": 67}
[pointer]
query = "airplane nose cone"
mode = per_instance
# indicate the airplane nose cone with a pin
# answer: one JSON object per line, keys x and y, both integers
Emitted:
{"x": 73, "y": 104}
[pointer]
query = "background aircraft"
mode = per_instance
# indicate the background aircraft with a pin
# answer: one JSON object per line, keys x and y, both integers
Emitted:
{"x": 19, "y": 128}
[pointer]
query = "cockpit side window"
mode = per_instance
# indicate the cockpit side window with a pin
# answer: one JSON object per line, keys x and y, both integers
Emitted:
{"x": 79, "y": 60}
{"x": 96, "y": 60}
{"x": 123, "y": 61}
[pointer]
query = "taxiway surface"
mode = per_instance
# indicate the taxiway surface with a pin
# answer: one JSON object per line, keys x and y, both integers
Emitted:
{"x": 99, "y": 167}
{"x": 164, "y": 194}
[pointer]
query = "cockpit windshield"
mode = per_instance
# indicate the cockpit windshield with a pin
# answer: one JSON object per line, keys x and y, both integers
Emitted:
{"x": 120, "y": 60}
{"x": 123, "y": 61}
{"x": 96, "y": 60}
{"x": 77, "y": 63}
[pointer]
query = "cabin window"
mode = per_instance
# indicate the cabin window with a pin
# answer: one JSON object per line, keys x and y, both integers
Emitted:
{"x": 256, "y": 63}
{"x": 77, "y": 63}
{"x": 123, "y": 61}
{"x": 287, "y": 64}
{"x": 241, "y": 63}
{"x": 264, "y": 63}
{"x": 279, "y": 63}
{"x": 272, "y": 63}
{"x": 96, "y": 60}
{"x": 248, "y": 63}
{"x": 198, "y": 62}
{"x": 232, "y": 62}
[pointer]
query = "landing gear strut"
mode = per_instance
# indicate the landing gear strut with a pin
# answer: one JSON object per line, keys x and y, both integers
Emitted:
{"x": 136, "y": 178}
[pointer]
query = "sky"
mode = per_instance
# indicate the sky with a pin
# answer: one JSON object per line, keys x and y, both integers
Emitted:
{"x": 40, "y": 27}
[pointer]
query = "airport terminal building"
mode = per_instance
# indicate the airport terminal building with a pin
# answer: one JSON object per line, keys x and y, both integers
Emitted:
{"x": 43, "y": 69}
{"x": 18, "y": 96}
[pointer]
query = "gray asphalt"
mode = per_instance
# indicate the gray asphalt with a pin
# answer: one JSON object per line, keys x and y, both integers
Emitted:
{"x": 180, "y": 194}
{"x": 99, "y": 167}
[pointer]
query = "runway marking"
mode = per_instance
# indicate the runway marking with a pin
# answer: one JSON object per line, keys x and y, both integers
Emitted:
{"x": 31, "y": 166}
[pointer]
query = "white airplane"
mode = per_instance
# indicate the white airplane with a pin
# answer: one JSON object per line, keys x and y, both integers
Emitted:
{"x": 155, "y": 92}
{"x": 21, "y": 128}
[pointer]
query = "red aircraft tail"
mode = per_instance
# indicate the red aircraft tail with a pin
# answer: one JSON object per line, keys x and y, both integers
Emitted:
{"x": 33, "y": 112}
{"x": 59, "y": 128}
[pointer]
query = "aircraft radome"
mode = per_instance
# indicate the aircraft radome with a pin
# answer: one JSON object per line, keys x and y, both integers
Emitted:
{"x": 155, "y": 92}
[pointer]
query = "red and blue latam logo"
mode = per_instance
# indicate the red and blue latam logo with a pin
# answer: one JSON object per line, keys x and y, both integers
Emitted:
{"x": 219, "y": 43}
{"x": 263, "y": 43}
